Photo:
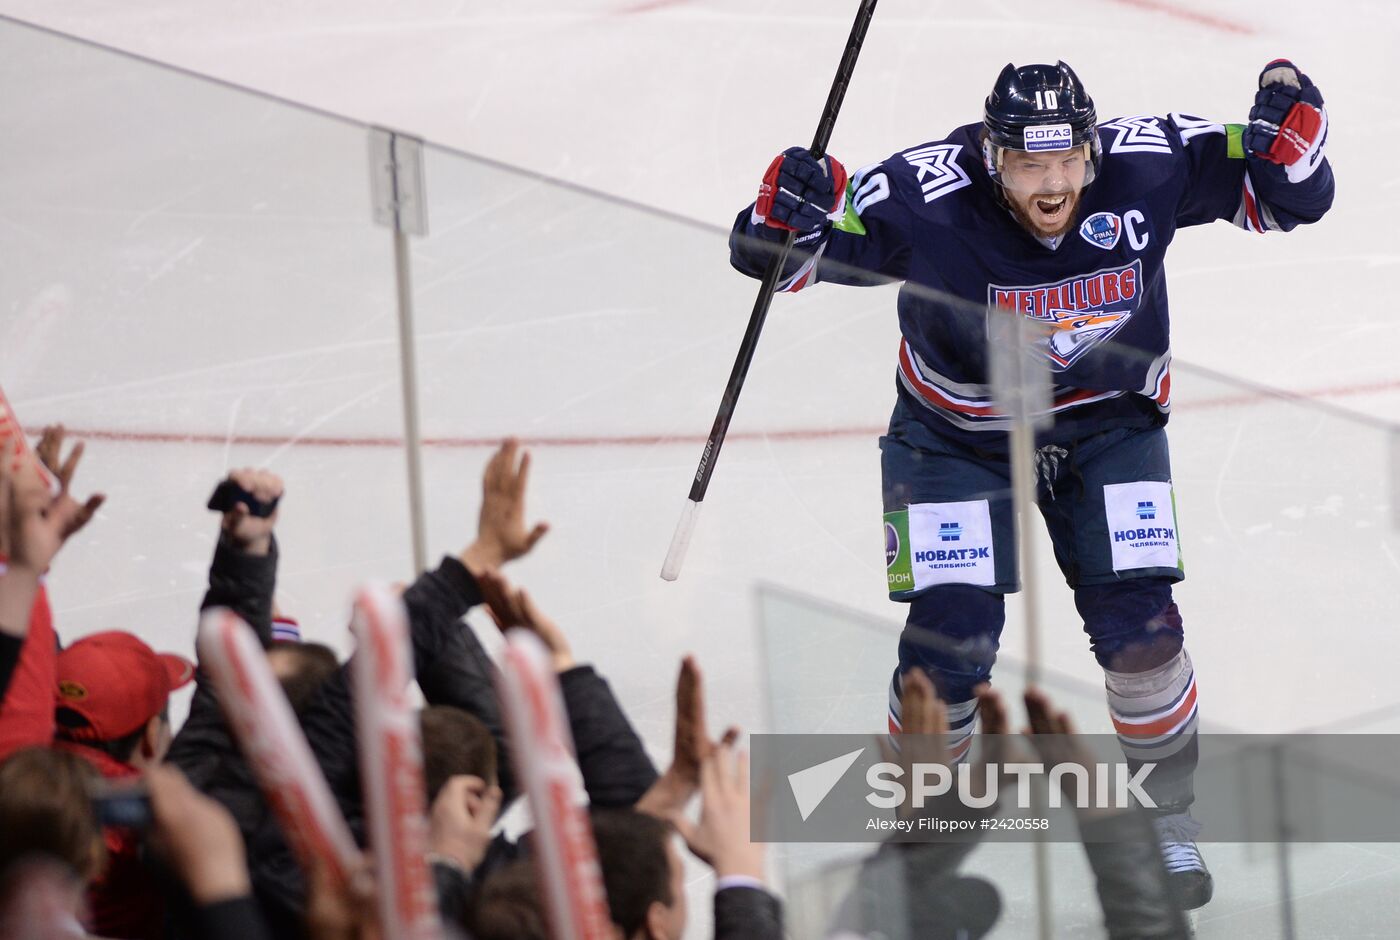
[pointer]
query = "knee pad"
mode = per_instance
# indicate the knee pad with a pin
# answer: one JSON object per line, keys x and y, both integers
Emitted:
{"x": 1133, "y": 625}
{"x": 952, "y": 633}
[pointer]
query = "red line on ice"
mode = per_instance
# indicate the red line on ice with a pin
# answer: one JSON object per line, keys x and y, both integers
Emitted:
{"x": 1194, "y": 16}
{"x": 1243, "y": 399}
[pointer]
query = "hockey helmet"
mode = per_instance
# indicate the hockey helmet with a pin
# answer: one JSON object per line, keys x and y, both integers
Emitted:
{"x": 1039, "y": 108}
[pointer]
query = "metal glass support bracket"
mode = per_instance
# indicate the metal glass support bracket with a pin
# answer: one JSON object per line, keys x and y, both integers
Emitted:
{"x": 397, "y": 191}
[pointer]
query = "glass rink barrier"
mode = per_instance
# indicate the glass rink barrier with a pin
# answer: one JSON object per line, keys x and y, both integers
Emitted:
{"x": 1288, "y": 856}
{"x": 192, "y": 283}
{"x": 1288, "y": 547}
{"x": 195, "y": 277}
{"x": 1289, "y": 576}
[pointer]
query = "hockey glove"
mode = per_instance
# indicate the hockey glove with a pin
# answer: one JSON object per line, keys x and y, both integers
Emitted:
{"x": 800, "y": 193}
{"x": 1287, "y": 123}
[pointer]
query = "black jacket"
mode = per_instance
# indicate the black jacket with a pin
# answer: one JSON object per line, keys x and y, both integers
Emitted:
{"x": 451, "y": 669}
{"x": 747, "y": 914}
{"x": 204, "y": 749}
{"x": 236, "y": 919}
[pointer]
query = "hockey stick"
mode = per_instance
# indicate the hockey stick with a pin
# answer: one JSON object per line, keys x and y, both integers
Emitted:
{"x": 680, "y": 541}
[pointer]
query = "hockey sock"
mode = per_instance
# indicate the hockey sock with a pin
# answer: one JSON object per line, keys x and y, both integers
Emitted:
{"x": 962, "y": 722}
{"x": 1155, "y": 715}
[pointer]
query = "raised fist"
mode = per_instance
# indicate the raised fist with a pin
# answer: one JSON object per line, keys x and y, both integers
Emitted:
{"x": 251, "y": 513}
{"x": 799, "y": 192}
{"x": 1288, "y": 123}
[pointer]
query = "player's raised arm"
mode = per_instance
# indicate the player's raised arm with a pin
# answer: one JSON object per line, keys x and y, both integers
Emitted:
{"x": 1285, "y": 143}
{"x": 799, "y": 193}
{"x": 1270, "y": 175}
{"x": 832, "y": 217}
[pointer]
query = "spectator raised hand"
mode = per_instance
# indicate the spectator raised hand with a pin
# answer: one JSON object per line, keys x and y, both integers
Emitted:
{"x": 674, "y": 788}
{"x": 1055, "y": 739}
{"x": 50, "y": 454}
{"x": 249, "y": 521}
{"x": 511, "y": 606}
{"x": 721, "y": 838}
{"x": 34, "y": 524}
{"x": 502, "y": 534}
{"x": 50, "y": 447}
{"x": 924, "y": 740}
{"x": 38, "y": 522}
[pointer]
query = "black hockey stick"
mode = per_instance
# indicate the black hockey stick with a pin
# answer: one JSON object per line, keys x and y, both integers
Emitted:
{"x": 680, "y": 541}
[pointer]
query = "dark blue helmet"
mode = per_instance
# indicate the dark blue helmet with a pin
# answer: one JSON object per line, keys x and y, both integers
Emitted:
{"x": 1039, "y": 108}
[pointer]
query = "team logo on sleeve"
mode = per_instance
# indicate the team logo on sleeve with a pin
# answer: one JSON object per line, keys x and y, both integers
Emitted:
{"x": 1080, "y": 312}
{"x": 1102, "y": 229}
{"x": 938, "y": 171}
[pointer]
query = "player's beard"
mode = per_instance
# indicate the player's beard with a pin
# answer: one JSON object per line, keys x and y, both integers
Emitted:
{"x": 1031, "y": 221}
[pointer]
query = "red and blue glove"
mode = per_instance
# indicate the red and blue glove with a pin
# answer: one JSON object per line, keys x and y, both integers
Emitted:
{"x": 799, "y": 192}
{"x": 1288, "y": 123}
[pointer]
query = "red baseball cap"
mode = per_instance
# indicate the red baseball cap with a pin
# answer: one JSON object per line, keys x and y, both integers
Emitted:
{"x": 117, "y": 683}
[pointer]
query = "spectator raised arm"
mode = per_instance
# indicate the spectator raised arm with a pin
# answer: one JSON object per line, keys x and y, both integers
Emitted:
{"x": 243, "y": 574}
{"x": 502, "y": 534}
{"x": 681, "y": 781}
{"x": 615, "y": 767}
{"x": 450, "y": 665}
{"x": 744, "y": 907}
{"x": 912, "y": 888}
{"x": 34, "y": 525}
{"x": 243, "y": 578}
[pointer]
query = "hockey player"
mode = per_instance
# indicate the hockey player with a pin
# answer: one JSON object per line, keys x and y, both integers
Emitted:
{"x": 1041, "y": 210}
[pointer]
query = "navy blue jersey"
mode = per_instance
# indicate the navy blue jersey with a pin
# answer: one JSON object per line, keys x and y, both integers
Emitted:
{"x": 930, "y": 216}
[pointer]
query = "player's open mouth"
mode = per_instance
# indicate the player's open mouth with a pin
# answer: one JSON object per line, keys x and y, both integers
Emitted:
{"x": 1051, "y": 206}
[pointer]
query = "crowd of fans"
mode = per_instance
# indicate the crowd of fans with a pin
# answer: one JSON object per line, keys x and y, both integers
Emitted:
{"x": 115, "y": 824}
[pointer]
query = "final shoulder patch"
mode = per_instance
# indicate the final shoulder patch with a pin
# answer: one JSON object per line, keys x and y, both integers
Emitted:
{"x": 1102, "y": 229}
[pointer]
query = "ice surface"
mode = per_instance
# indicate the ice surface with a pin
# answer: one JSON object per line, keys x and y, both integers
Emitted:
{"x": 189, "y": 274}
